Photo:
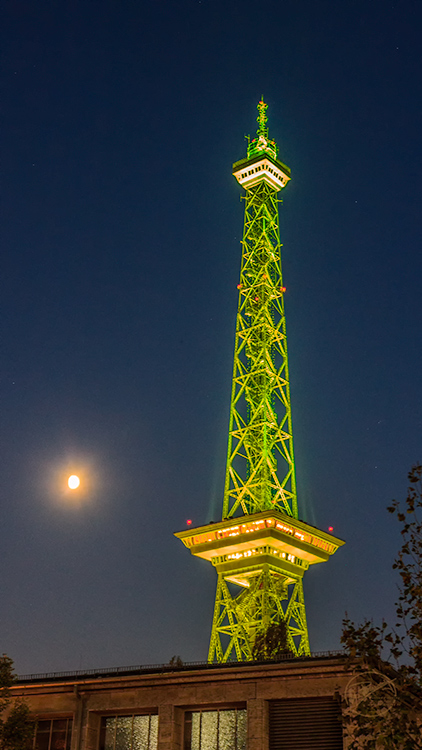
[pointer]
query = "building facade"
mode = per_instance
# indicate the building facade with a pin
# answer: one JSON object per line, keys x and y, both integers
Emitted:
{"x": 293, "y": 704}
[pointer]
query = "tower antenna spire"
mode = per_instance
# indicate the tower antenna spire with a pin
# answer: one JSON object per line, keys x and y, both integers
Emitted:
{"x": 262, "y": 118}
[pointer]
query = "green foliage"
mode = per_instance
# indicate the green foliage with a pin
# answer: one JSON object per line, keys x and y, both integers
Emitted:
{"x": 175, "y": 661}
{"x": 16, "y": 729}
{"x": 409, "y": 566}
{"x": 383, "y": 710}
{"x": 271, "y": 643}
{"x": 7, "y": 679}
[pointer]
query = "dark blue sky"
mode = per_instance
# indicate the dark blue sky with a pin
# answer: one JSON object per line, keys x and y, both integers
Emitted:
{"x": 120, "y": 232}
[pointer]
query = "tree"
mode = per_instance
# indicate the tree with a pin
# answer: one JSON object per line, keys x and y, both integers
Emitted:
{"x": 383, "y": 703}
{"x": 16, "y": 729}
{"x": 271, "y": 643}
{"x": 175, "y": 661}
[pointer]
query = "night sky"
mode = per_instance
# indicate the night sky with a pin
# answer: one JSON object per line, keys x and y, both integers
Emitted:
{"x": 120, "y": 258}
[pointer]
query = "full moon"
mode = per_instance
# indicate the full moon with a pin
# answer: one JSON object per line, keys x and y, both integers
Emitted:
{"x": 73, "y": 482}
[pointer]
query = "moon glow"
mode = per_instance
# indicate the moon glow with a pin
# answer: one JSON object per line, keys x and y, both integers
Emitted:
{"x": 73, "y": 482}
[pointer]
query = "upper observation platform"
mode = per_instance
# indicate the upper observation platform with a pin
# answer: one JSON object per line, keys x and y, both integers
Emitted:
{"x": 261, "y": 163}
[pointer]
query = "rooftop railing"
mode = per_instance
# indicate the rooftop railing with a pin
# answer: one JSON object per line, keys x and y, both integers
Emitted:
{"x": 168, "y": 667}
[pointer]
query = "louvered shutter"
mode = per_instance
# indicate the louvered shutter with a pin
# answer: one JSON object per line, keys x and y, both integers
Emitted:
{"x": 305, "y": 724}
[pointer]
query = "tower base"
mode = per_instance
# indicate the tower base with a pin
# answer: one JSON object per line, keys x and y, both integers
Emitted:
{"x": 260, "y": 560}
{"x": 238, "y": 617}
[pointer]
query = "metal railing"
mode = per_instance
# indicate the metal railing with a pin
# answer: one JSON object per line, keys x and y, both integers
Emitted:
{"x": 168, "y": 667}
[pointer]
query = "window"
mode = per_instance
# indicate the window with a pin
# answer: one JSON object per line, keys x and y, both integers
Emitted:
{"x": 52, "y": 734}
{"x": 129, "y": 732}
{"x": 223, "y": 729}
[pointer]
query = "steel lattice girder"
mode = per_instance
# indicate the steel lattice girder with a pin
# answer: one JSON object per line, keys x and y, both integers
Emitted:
{"x": 260, "y": 470}
{"x": 238, "y": 618}
{"x": 260, "y": 462}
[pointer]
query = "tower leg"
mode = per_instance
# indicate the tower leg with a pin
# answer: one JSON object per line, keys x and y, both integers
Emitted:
{"x": 238, "y": 617}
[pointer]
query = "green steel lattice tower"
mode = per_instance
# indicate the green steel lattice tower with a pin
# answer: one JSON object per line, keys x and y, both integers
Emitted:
{"x": 260, "y": 549}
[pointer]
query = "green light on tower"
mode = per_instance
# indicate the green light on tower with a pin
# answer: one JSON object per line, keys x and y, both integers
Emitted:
{"x": 260, "y": 549}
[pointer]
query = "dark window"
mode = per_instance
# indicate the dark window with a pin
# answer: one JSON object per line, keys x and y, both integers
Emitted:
{"x": 52, "y": 734}
{"x": 306, "y": 724}
{"x": 129, "y": 732}
{"x": 223, "y": 729}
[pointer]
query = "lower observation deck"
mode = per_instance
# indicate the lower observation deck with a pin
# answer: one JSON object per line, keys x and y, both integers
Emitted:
{"x": 241, "y": 547}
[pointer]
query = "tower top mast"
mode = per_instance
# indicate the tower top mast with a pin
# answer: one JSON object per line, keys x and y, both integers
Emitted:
{"x": 262, "y": 143}
{"x": 262, "y": 119}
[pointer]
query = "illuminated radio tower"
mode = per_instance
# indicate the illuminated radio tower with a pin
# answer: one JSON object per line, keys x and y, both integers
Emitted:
{"x": 260, "y": 549}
